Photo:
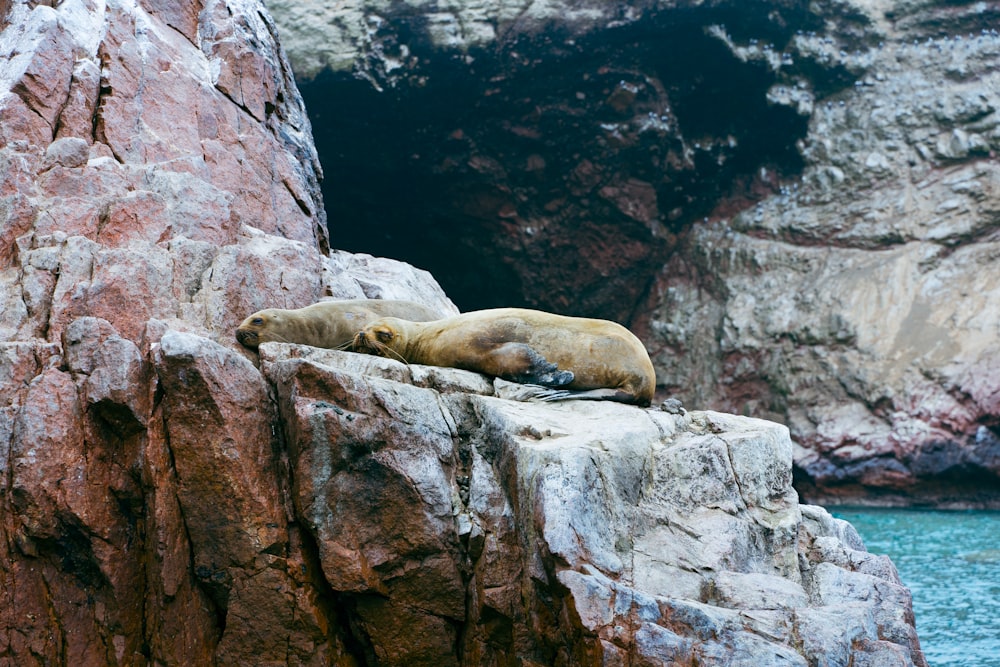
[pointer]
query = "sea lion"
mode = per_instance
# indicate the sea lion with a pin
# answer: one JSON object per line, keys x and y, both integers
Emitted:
{"x": 586, "y": 358}
{"x": 330, "y": 324}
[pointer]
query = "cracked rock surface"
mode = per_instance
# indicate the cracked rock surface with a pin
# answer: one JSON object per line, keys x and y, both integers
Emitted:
{"x": 157, "y": 175}
{"x": 484, "y": 531}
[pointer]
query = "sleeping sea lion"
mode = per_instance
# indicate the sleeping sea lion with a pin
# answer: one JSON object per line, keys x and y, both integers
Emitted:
{"x": 330, "y": 324}
{"x": 588, "y": 358}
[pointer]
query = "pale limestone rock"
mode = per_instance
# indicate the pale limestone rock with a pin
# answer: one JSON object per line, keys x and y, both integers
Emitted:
{"x": 870, "y": 358}
{"x": 324, "y": 36}
{"x": 357, "y": 275}
{"x": 662, "y": 538}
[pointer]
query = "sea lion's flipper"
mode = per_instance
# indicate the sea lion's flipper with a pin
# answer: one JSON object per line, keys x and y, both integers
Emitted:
{"x": 519, "y": 362}
{"x": 514, "y": 391}
{"x": 536, "y": 393}
{"x": 586, "y": 395}
{"x": 591, "y": 395}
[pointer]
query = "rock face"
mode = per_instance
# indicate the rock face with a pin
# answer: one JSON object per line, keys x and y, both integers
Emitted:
{"x": 167, "y": 497}
{"x": 158, "y": 175}
{"x": 457, "y": 528}
{"x": 794, "y": 203}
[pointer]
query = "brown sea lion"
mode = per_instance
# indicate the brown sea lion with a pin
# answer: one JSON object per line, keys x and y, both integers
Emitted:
{"x": 328, "y": 324}
{"x": 588, "y": 358}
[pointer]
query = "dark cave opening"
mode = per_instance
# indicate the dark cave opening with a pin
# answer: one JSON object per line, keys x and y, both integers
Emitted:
{"x": 502, "y": 178}
{"x": 715, "y": 95}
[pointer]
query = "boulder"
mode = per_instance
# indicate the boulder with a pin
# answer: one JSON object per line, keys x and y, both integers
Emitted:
{"x": 570, "y": 533}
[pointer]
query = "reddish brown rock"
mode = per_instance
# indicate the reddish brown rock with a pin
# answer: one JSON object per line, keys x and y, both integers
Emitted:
{"x": 230, "y": 487}
{"x": 157, "y": 175}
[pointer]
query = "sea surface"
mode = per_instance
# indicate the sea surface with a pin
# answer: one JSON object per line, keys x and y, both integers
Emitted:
{"x": 951, "y": 563}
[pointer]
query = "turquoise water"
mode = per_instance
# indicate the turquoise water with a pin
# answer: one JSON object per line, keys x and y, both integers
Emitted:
{"x": 951, "y": 563}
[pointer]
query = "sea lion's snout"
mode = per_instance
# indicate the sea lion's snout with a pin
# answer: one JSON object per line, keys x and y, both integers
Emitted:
{"x": 367, "y": 343}
{"x": 248, "y": 338}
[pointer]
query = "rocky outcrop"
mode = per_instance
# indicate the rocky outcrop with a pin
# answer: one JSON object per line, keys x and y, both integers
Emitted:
{"x": 793, "y": 203}
{"x": 158, "y": 174}
{"x": 167, "y": 497}
{"x": 879, "y": 357}
{"x": 457, "y": 528}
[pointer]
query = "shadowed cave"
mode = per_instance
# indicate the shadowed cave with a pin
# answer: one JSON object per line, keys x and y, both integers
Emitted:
{"x": 553, "y": 173}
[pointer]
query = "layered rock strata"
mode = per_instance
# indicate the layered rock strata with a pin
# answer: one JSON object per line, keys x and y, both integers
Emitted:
{"x": 794, "y": 203}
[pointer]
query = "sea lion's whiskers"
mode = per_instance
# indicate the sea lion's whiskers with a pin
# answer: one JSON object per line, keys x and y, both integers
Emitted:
{"x": 386, "y": 351}
{"x": 378, "y": 348}
{"x": 347, "y": 345}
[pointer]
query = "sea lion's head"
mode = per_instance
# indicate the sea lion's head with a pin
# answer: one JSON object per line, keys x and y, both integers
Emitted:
{"x": 261, "y": 327}
{"x": 385, "y": 338}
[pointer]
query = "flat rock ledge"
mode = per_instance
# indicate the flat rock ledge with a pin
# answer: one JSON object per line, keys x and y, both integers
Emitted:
{"x": 459, "y": 528}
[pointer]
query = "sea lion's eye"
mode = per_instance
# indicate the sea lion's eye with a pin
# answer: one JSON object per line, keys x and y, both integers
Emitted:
{"x": 384, "y": 336}
{"x": 257, "y": 320}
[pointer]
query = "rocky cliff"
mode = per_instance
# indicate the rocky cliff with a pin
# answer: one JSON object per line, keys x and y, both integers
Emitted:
{"x": 166, "y": 497}
{"x": 794, "y": 203}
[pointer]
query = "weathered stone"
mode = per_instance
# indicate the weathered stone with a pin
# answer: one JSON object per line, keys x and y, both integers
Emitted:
{"x": 338, "y": 485}
{"x": 117, "y": 376}
{"x": 231, "y": 488}
{"x": 382, "y": 278}
{"x": 163, "y": 501}
{"x": 793, "y": 204}
{"x": 218, "y": 424}
{"x": 144, "y": 497}
{"x": 69, "y": 152}
{"x": 586, "y": 513}
{"x": 74, "y": 555}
